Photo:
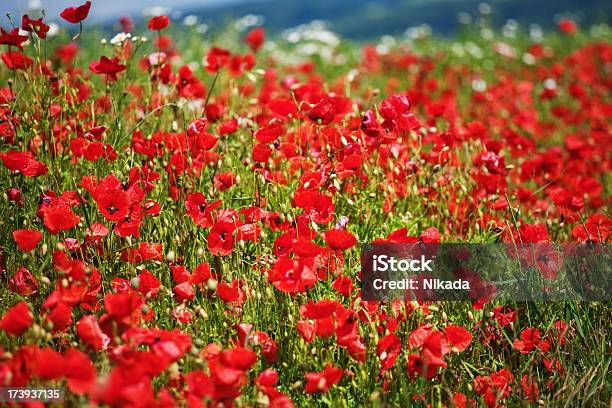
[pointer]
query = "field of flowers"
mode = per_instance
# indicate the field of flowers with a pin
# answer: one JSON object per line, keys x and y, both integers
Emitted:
{"x": 181, "y": 213}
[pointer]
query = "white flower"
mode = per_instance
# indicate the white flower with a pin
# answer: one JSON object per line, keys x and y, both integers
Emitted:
{"x": 120, "y": 38}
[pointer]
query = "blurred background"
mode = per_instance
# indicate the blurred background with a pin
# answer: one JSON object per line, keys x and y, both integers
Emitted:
{"x": 354, "y": 19}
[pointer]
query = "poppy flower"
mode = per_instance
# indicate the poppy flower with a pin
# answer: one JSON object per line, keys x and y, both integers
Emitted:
{"x": 529, "y": 339}
{"x": 388, "y": 349}
{"x": 34, "y": 26}
{"x": 567, "y": 26}
{"x": 230, "y": 293}
{"x": 183, "y": 292}
{"x": 530, "y": 388}
{"x": 322, "y": 112}
{"x": 255, "y": 38}
{"x": 531, "y": 234}
{"x": 317, "y": 206}
{"x": 425, "y": 364}
{"x": 23, "y": 282}
{"x": 201, "y": 212}
{"x": 494, "y": 387}
{"x": 344, "y": 285}
{"x": 596, "y": 228}
{"x": 158, "y": 23}
{"x": 292, "y": 275}
{"x": 224, "y": 181}
{"x": 59, "y": 218}
{"x": 261, "y": 152}
{"x": 17, "y": 319}
{"x": 27, "y": 239}
{"x": 339, "y": 239}
{"x": 221, "y": 239}
{"x": 217, "y": 58}
{"x": 145, "y": 251}
{"x": 16, "y": 60}
{"x": 66, "y": 52}
{"x": 121, "y": 304}
{"x": 113, "y": 204}
{"x": 148, "y": 285}
{"x": 60, "y": 317}
{"x": 77, "y": 14}
{"x": 458, "y": 337}
{"x": 240, "y": 358}
{"x": 430, "y": 236}
{"x": 24, "y": 163}
{"x": 12, "y": 38}
{"x": 49, "y": 364}
{"x": 90, "y": 333}
{"x": 306, "y": 330}
{"x": 80, "y": 372}
{"x": 107, "y": 66}
{"x": 321, "y": 381}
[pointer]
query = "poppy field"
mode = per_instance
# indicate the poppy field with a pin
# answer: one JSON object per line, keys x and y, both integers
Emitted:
{"x": 181, "y": 214}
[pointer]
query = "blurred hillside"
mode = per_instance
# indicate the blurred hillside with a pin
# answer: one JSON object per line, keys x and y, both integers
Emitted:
{"x": 364, "y": 19}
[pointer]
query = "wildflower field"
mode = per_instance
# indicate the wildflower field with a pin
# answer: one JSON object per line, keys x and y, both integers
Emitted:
{"x": 181, "y": 213}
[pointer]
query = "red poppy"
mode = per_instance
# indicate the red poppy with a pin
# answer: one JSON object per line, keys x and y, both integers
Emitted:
{"x": 595, "y": 229}
{"x": 430, "y": 236}
{"x": 425, "y": 364}
{"x": 292, "y": 275}
{"x": 80, "y": 372}
{"x": 146, "y": 251}
{"x": 66, "y": 52}
{"x": 49, "y": 364}
{"x": 113, "y": 204}
{"x": 530, "y": 339}
{"x": 321, "y": 381}
{"x": 107, "y": 66}
{"x": 76, "y": 14}
{"x": 530, "y": 388}
{"x": 344, "y": 285}
{"x": 323, "y": 112}
{"x": 531, "y": 234}
{"x": 34, "y": 26}
{"x": 231, "y": 293}
{"x": 261, "y": 152}
{"x": 239, "y": 358}
{"x": 388, "y": 349}
{"x": 183, "y": 292}
{"x": 121, "y": 304}
{"x": 567, "y": 26}
{"x": 23, "y": 282}
{"x": 148, "y": 285}
{"x": 24, "y": 163}
{"x": 158, "y": 23}
{"x": 17, "y": 319}
{"x": 306, "y": 330}
{"x": 221, "y": 238}
{"x": 59, "y": 218}
{"x": 16, "y": 60}
{"x": 224, "y": 181}
{"x": 494, "y": 387}
{"x": 12, "y": 38}
{"x": 201, "y": 212}
{"x": 217, "y": 58}
{"x": 27, "y": 239}
{"x": 317, "y": 206}
{"x": 458, "y": 337}
{"x": 59, "y": 316}
{"x": 255, "y": 38}
{"x": 339, "y": 239}
{"x": 90, "y": 333}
